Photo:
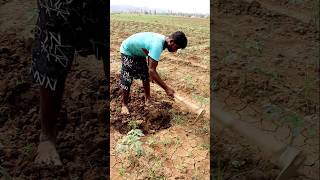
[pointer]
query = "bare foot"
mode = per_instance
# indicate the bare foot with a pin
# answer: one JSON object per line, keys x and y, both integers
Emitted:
{"x": 125, "y": 110}
{"x": 148, "y": 102}
{"x": 47, "y": 154}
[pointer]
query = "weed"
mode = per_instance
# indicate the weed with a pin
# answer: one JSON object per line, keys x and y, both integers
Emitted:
{"x": 252, "y": 48}
{"x": 155, "y": 171}
{"x": 131, "y": 142}
{"x": 4, "y": 173}
{"x": 134, "y": 124}
{"x": 133, "y": 160}
{"x": 27, "y": 149}
{"x": 163, "y": 73}
{"x": 312, "y": 131}
{"x": 190, "y": 154}
{"x": 176, "y": 118}
{"x": 316, "y": 15}
{"x": 200, "y": 99}
{"x": 206, "y": 59}
{"x": 202, "y": 130}
{"x": 122, "y": 171}
{"x": 118, "y": 109}
{"x": 272, "y": 110}
{"x": 308, "y": 85}
{"x": 205, "y": 146}
{"x": 230, "y": 56}
{"x": 296, "y": 2}
{"x": 220, "y": 171}
{"x": 167, "y": 142}
{"x": 214, "y": 85}
{"x": 272, "y": 74}
{"x": 181, "y": 168}
{"x": 296, "y": 123}
{"x": 151, "y": 141}
{"x": 177, "y": 141}
{"x": 189, "y": 81}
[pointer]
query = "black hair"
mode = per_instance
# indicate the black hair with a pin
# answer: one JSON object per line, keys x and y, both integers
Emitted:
{"x": 180, "y": 39}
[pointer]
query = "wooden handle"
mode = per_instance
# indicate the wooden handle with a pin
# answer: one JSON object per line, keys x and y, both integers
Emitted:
{"x": 193, "y": 107}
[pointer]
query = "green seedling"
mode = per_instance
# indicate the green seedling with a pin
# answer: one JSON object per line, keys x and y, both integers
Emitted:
{"x": 131, "y": 142}
{"x": 134, "y": 124}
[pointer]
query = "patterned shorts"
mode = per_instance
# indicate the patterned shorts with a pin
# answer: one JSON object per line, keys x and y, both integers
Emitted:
{"x": 65, "y": 28}
{"x": 133, "y": 68}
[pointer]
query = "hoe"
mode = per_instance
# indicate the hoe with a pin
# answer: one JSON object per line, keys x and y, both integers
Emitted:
{"x": 191, "y": 106}
{"x": 286, "y": 157}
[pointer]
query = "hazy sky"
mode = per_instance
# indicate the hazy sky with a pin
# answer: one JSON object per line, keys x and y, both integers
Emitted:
{"x": 191, "y": 6}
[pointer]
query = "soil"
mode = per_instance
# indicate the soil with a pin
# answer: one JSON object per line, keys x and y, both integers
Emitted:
{"x": 154, "y": 117}
{"x": 265, "y": 63}
{"x": 82, "y": 139}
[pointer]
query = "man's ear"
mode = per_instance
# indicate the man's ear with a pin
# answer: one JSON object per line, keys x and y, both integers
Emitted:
{"x": 171, "y": 41}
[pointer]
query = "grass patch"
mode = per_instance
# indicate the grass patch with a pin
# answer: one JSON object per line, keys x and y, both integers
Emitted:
{"x": 200, "y": 99}
{"x": 177, "y": 118}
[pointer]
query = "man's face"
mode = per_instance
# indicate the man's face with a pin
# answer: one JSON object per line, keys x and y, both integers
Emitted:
{"x": 172, "y": 46}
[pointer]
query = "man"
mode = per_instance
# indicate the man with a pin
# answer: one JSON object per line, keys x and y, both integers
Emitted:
{"x": 134, "y": 51}
{"x": 63, "y": 28}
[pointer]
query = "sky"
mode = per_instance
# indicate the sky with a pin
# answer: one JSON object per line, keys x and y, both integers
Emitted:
{"x": 186, "y": 6}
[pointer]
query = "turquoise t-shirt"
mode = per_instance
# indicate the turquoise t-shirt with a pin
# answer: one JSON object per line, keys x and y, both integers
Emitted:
{"x": 143, "y": 44}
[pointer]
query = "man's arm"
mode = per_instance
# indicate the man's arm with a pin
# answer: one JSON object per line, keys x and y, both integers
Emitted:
{"x": 155, "y": 76}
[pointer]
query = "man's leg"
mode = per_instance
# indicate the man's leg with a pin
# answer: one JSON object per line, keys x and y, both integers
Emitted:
{"x": 125, "y": 100}
{"x": 146, "y": 87}
{"x": 50, "y": 103}
{"x": 126, "y": 79}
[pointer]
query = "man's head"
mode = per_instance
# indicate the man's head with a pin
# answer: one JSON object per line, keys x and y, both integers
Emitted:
{"x": 176, "y": 40}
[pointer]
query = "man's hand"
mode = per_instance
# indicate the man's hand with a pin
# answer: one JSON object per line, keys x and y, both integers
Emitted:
{"x": 154, "y": 76}
{"x": 170, "y": 92}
